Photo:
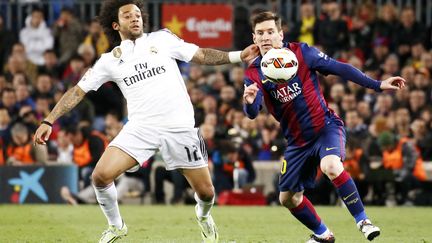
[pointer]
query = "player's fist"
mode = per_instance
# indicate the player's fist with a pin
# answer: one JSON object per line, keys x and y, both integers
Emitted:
{"x": 42, "y": 134}
{"x": 392, "y": 83}
{"x": 250, "y": 93}
{"x": 249, "y": 53}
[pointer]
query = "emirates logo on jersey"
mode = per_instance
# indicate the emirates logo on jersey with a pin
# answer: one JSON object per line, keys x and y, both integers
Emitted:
{"x": 143, "y": 72}
{"x": 286, "y": 93}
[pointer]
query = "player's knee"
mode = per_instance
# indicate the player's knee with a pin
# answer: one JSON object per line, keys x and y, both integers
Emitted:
{"x": 206, "y": 193}
{"x": 290, "y": 201}
{"x": 332, "y": 168}
{"x": 101, "y": 178}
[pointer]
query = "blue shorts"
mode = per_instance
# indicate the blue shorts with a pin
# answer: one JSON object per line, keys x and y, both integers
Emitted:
{"x": 300, "y": 164}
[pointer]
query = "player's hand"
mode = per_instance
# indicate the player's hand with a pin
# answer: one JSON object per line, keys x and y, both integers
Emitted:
{"x": 42, "y": 134}
{"x": 249, "y": 53}
{"x": 250, "y": 93}
{"x": 393, "y": 83}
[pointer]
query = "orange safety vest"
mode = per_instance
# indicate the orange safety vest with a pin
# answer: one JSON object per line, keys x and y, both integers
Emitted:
{"x": 82, "y": 155}
{"x": 2, "y": 159}
{"x": 21, "y": 153}
{"x": 352, "y": 165}
{"x": 229, "y": 167}
{"x": 394, "y": 160}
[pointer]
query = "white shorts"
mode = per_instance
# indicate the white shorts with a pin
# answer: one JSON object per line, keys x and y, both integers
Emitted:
{"x": 180, "y": 148}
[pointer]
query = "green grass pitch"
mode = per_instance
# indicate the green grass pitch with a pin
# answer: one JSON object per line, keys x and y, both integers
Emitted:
{"x": 62, "y": 223}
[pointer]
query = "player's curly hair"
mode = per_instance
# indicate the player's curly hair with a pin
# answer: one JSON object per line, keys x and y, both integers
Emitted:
{"x": 109, "y": 14}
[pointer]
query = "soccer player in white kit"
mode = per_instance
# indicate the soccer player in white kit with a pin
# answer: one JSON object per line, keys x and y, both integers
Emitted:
{"x": 160, "y": 113}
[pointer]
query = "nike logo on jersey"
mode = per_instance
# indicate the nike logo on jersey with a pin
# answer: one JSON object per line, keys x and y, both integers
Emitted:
{"x": 328, "y": 149}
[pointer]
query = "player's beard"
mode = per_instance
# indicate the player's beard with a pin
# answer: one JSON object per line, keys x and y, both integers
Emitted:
{"x": 133, "y": 35}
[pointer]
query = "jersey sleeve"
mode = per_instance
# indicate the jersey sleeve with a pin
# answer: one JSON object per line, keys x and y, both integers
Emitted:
{"x": 95, "y": 77}
{"x": 317, "y": 60}
{"x": 252, "y": 110}
{"x": 177, "y": 47}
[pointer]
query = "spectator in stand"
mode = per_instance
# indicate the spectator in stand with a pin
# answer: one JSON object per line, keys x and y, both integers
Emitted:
{"x": 88, "y": 54}
{"x": 44, "y": 86}
{"x": 236, "y": 75}
{"x": 74, "y": 71}
{"x": 51, "y": 65}
{"x": 422, "y": 137}
{"x": 403, "y": 158}
{"x": 5, "y": 125}
{"x": 385, "y": 25}
{"x": 364, "y": 112}
{"x": 18, "y": 62}
{"x": 97, "y": 38}
{"x": 402, "y": 120}
{"x": 9, "y": 102}
{"x": 68, "y": 33}
{"x": 357, "y": 165}
{"x": 23, "y": 98}
{"x": 7, "y": 39}
{"x": 417, "y": 102}
{"x": 383, "y": 104}
{"x": 36, "y": 37}
{"x": 64, "y": 151}
{"x": 380, "y": 52}
{"x": 407, "y": 33}
{"x": 233, "y": 169}
{"x": 28, "y": 117}
{"x": 22, "y": 151}
{"x": 362, "y": 28}
{"x": 176, "y": 178}
{"x": 306, "y": 30}
{"x": 88, "y": 148}
{"x": 391, "y": 65}
{"x": 333, "y": 33}
{"x": 355, "y": 126}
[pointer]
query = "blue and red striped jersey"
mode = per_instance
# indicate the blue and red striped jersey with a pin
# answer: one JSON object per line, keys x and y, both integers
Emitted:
{"x": 299, "y": 104}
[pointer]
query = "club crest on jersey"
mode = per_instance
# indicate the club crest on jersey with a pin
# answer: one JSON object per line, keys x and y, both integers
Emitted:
{"x": 117, "y": 52}
{"x": 153, "y": 50}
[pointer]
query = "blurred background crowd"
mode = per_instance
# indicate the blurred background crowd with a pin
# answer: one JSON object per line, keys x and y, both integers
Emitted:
{"x": 389, "y": 135}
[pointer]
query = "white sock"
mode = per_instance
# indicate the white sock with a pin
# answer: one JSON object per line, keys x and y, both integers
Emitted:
{"x": 202, "y": 208}
{"x": 107, "y": 199}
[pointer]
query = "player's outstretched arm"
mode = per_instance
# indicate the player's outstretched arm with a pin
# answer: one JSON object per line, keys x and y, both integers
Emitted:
{"x": 209, "y": 56}
{"x": 393, "y": 83}
{"x": 67, "y": 102}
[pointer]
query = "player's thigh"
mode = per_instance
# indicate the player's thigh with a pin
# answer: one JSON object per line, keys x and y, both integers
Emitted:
{"x": 183, "y": 149}
{"x": 112, "y": 164}
{"x": 298, "y": 170}
{"x": 332, "y": 140}
{"x": 200, "y": 181}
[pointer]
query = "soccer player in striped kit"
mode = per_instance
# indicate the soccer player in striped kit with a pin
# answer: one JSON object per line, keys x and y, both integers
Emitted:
{"x": 314, "y": 133}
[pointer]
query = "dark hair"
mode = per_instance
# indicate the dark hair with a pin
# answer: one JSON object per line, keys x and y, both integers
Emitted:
{"x": 264, "y": 16}
{"x": 109, "y": 14}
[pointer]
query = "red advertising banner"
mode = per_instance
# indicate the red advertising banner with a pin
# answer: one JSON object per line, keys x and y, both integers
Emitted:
{"x": 207, "y": 25}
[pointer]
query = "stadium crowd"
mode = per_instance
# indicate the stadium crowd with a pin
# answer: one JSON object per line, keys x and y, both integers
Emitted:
{"x": 389, "y": 135}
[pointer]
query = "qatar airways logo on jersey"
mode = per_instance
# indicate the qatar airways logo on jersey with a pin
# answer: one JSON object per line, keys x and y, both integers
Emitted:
{"x": 286, "y": 93}
{"x": 143, "y": 72}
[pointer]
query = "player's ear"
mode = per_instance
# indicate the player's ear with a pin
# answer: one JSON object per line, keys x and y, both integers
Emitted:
{"x": 115, "y": 26}
{"x": 254, "y": 38}
{"x": 281, "y": 34}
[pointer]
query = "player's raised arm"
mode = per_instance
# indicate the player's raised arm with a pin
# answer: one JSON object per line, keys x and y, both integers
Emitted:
{"x": 209, "y": 56}
{"x": 67, "y": 102}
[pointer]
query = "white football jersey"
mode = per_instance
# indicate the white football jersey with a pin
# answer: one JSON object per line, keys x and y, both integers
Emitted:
{"x": 148, "y": 76}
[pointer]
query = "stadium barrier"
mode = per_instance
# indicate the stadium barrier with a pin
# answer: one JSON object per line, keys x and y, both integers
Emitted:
{"x": 36, "y": 184}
